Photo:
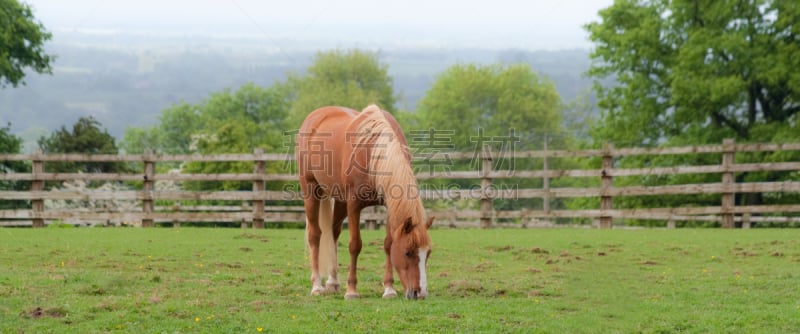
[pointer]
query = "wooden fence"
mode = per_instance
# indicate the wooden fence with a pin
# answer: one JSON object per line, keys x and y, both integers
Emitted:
{"x": 149, "y": 200}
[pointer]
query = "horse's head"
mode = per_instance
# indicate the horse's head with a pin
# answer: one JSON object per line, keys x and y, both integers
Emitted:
{"x": 411, "y": 248}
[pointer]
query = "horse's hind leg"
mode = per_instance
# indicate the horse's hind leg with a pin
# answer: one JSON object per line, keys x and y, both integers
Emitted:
{"x": 313, "y": 234}
{"x": 353, "y": 221}
{"x": 339, "y": 213}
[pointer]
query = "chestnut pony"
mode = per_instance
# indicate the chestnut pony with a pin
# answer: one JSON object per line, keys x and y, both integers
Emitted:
{"x": 347, "y": 161}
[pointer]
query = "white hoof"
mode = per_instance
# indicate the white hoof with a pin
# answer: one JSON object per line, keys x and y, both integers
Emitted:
{"x": 333, "y": 287}
{"x": 389, "y": 293}
{"x": 351, "y": 295}
{"x": 317, "y": 290}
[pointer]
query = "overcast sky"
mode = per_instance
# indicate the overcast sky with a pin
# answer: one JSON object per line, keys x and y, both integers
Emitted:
{"x": 532, "y": 24}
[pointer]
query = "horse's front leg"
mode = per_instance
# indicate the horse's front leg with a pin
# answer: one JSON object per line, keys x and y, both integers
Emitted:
{"x": 388, "y": 276}
{"x": 353, "y": 221}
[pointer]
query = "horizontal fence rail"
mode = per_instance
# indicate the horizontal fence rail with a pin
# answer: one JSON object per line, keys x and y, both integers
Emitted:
{"x": 140, "y": 201}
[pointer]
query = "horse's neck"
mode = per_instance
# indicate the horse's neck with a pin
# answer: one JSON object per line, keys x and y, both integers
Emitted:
{"x": 402, "y": 199}
{"x": 390, "y": 166}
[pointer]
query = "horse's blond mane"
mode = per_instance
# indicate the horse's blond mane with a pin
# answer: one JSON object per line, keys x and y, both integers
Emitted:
{"x": 392, "y": 173}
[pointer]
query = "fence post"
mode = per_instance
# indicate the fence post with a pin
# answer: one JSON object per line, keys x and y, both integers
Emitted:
{"x": 546, "y": 181}
{"x": 606, "y": 182}
{"x": 37, "y": 205}
{"x": 148, "y": 188}
{"x": 176, "y": 207}
{"x": 486, "y": 184}
{"x": 728, "y": 196}
{"x": 259, "y": 169}
{"x": 371, "y": 224}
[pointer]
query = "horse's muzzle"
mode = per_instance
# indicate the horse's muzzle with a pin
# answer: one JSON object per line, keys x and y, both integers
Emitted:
{"x": 415, "y": 294}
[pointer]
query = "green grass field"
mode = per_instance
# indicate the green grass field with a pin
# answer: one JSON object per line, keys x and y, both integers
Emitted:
{"x": 205, "y": 280}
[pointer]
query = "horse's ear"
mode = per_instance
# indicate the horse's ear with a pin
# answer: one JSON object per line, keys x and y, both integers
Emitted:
{"x": 430, "y": 222}
{"x": 408, "y": 226}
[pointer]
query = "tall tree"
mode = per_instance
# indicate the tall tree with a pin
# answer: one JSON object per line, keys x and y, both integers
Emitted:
{"x": 182, "y": 127}
{"x": 507, "y": 107}
{"x": 695, "y": 72}
{"x": 475, "y": 102}
{"x": 9, "y": 143}
{"x": 238, "y": 122}
{"x": 87, "y": 137}
{"x": 226, "y": 122}
{"x": 697, "y": 69}
{"x": 351, "y": 78}
{"x": 21, "y": 43}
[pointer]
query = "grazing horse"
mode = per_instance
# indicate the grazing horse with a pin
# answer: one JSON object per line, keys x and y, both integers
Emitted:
{"x": 347, "y": 161}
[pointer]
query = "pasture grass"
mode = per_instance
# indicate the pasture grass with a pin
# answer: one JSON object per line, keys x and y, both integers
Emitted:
{"x": 162, "y": 280}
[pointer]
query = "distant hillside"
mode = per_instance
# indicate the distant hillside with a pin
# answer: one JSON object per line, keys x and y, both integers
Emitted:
{"x": 128, "y": 83}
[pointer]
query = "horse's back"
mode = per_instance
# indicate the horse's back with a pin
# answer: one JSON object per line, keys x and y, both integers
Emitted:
{"x": 332, "y": 132}
{"x": 373, "y": 111}
{"x": 320, "y": 137}
{"x": 326, "y": 119}
{"x": 331, "y": 120}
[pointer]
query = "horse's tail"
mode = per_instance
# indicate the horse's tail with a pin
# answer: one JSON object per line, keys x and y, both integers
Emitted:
{"x": 328, "y": 261}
